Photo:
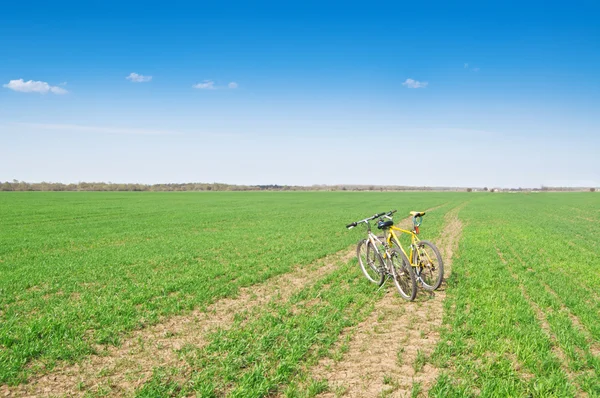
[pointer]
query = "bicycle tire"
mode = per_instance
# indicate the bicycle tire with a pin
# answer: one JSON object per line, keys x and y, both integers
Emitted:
{"x": 404, "y": 275}
{"x": 430, "y": 270}
{"x": 370, "y": 262}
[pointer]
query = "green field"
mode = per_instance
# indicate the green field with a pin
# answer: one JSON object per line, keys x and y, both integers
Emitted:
{"x": 82, "y": 274}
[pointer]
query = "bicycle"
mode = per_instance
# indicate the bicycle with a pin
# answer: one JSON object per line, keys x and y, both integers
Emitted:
{"x": 379, "y": 260}
{"x": 424, "y": 256}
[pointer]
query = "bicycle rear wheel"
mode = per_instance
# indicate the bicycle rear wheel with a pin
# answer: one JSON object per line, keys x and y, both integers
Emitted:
{"x": 429, "y": 265}
{"x": 404, "y": 276}
{"x": 370, "y": 262}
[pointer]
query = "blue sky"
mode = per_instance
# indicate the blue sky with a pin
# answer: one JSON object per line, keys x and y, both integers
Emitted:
{"x": 471, "y": 94}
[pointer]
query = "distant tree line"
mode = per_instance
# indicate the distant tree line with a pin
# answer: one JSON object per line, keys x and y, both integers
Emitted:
{"x": 568, "y": 189}
{"x": 104, "y": 186}
{"x": 16, "y": 185}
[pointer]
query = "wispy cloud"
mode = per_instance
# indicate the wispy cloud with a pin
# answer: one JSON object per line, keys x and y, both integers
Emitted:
{"x": 205, "y": 85}
{"x": 474, "y": 69}
{"x": 135, "y": 78}
{"x": 94, "y": 129}
{"x": 34, "y": 87}
{"x": 410, "y": 83}
{"x": 210, "y": 85}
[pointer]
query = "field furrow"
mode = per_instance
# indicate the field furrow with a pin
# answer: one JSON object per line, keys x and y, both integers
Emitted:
{"x": 520, "y": 313}
{"x": 543, "y": 322}
{"x": 571, "y": 342}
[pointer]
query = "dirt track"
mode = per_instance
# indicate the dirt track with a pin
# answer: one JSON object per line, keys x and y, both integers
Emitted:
{"x": 388, "y": 352}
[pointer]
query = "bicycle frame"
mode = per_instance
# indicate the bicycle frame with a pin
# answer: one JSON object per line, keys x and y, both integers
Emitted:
{"x": 414, "y": 240}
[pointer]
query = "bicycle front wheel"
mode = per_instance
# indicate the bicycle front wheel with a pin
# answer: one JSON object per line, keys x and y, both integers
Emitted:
{"x": 404, "y": 276}
{"x": 370, "y": 262}
{"x": 429, "y": 265}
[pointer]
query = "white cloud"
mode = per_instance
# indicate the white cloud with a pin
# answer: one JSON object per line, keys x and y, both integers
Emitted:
{"x": 34, "y": 87}
{"x": 410, "y": 83}
{"x": 94, "y": 129}
{"x": 58, "y": 90}
{"x": 475, "y": 69}
{"x": 466, "y": 66}
{"x": 135, "y": 78}
{"x": 232, "y": 85}
{"x": 206, "y": 85}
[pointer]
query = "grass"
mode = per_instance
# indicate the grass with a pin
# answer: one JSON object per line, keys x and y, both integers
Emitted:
{"x": 78, "y": 270}
{"x": 420, "y": 361}
{"x": 82, "y": 269}
{"x": 518, "y": 287}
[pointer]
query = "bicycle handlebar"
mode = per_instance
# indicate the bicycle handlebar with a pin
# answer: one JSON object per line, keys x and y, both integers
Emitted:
{"x": 355, "y": 223}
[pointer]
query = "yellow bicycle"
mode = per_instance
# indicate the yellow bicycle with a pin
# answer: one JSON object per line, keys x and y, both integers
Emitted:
{"x": 423, "y": 255}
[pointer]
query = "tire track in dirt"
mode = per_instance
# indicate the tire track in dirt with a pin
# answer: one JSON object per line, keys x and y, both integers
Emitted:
{"x": 118, "y": 371}
{"x": 387, "y": 353}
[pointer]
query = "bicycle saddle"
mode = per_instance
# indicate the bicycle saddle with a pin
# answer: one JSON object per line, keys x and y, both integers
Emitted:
{"x": 417, "y": 213}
